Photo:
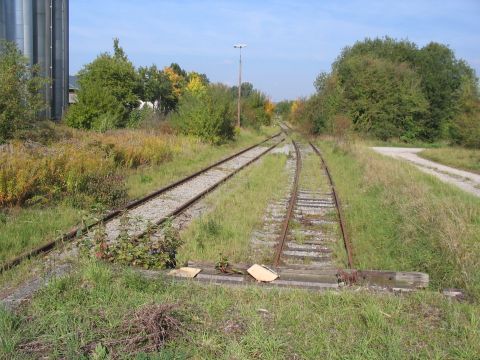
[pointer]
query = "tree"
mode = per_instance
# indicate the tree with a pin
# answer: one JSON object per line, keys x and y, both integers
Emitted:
{"x": 256, "y": 109}
{"x": 247, "y": 90}
{"x": 157, "y": 88}
{"x": 440, "y": 73}
{"x": 178, "y": 79}
{"x": 109, "y": 88}
{"x": 385, "y": 99}
{"x": 197, "y": 83}
{"x": 21, "y": 100}
{"x": 441, "y": 76}
{"x": 464, "y": 129}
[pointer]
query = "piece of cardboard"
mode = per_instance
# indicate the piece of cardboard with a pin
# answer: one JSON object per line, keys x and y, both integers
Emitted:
{"x": 261, "y": 273}
{"x": 185, "y": 272}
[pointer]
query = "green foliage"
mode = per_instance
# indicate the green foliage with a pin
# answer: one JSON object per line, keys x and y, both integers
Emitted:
{"x": 392, "y": 89}
{"x": 283, "y": 107}
{"x": 139, "y": 117}
{"x": 247, "y": 90}
{"x": 254, "y": 112}
{"x": 207, "y": 115}
{"x": 465, "y": 127}
{"x": 384, "y": 98}
{"x": 441, "y": 76}
{"x": 157, "y": 88}
{"x": 107, "y": 94}
{"x": 20, "y": 99}
{"x": 157, "y": 253}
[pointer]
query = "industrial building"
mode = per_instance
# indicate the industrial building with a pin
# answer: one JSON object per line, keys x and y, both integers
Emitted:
{"x": 40, "y": 30}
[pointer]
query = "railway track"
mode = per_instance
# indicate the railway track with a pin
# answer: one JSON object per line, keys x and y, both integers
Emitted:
{"x": 306, "y": 233}
{"x": 157, "y": 207}
{"x": 312, "y": 223}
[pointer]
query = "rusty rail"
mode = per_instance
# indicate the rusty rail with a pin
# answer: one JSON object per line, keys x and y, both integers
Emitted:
{"x": 341, "y": 218}
{"x": 291, "y": 206}
{"x": 78, "y": 231}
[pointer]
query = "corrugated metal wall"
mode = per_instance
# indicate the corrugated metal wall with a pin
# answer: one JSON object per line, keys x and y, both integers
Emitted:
{"x": 40, "y": 29}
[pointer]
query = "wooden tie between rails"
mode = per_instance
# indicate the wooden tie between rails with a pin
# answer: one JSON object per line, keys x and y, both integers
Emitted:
{"x": 308, "y": 277}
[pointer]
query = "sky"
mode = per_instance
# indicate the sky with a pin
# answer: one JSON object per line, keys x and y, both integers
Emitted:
{"x": 288, "y": 42}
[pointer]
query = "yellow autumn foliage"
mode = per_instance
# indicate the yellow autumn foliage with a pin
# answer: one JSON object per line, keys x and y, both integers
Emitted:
{"x": 195, "y": 84}
{"x": 176, "y": 80}
{"x": 269, "y": 108}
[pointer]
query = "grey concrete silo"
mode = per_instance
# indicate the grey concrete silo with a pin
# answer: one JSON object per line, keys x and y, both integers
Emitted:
{"x": 40, "y": 30}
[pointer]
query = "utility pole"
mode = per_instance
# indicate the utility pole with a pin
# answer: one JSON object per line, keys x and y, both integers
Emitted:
{"x": 239, "y": 46}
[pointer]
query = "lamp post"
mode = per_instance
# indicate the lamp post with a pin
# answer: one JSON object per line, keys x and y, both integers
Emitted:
{"x": 239, "y": 46}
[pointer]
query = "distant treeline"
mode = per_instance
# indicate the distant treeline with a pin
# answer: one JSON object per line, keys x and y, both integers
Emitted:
{"x": 390, "y": 89}
{"x": 113, "y": 93}
{"x": 110, "y": 90}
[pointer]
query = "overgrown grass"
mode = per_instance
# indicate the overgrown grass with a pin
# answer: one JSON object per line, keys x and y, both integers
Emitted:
{"x": 88, "y": 310}
{"x": 461, "y": 158}
{"x": 401, "y": 219}
{"x": 237, "y": 209}
{"x": 312, "y": 176}
{"x": 23, "y": 228}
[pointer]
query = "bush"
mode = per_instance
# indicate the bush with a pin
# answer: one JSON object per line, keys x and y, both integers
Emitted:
{"x": 20, "y": 98}
{"x": 465, "y": 128}
{"x": 385, "y": 99}
{"x": 140, "y": 117}
{"x": 131, "y": 149}
{"x": 256, "y": 110}
{"x": 107, "y": 94}
{"x": 208, "y": 115}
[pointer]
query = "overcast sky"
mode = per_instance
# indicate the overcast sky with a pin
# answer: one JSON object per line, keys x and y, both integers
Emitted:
{"x": 289, "y": 42}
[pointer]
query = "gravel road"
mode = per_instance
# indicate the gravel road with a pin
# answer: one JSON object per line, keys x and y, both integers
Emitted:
{"x": 465, "y": 180}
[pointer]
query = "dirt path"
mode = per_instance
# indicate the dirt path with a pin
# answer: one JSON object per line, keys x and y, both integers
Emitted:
{"x": 465, "y": 180}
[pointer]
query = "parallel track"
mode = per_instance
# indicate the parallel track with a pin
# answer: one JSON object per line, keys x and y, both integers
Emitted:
{"x": 291, "y": 206}
{"x": 338, "y": 206}
{"x": 315, "y": 250}
{"x": 115, "y": 215}
{"x": 301, "y": 229}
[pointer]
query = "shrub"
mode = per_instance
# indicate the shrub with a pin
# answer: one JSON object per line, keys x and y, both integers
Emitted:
{"x": 207, "y": 115}
{"x": 149, "y": 252}
{"x": 256, "y": 110}
{"x": 465, "y": 128}
{"x": 137, "y": 116}
{"x": 20, "y": 99}
{"x": 107, "y": 95}
{"x": 131, "y": 149}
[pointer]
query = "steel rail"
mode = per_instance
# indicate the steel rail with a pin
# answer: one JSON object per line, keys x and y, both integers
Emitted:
{"x": 78, "y": 231}
{"x": 193, "y": 200}
{"x": 291, "y": 206}
{"x": 341, "y": 218}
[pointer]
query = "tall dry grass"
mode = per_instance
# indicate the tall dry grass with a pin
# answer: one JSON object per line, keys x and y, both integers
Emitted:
{"x": 31, "y": 172}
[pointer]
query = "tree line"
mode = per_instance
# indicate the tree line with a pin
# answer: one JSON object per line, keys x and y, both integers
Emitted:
{"x": 111, "y": 90}
{"x": 393, "y": 89}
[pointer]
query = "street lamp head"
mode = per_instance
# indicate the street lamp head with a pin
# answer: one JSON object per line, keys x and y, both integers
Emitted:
{"x": 239, "y": 46}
